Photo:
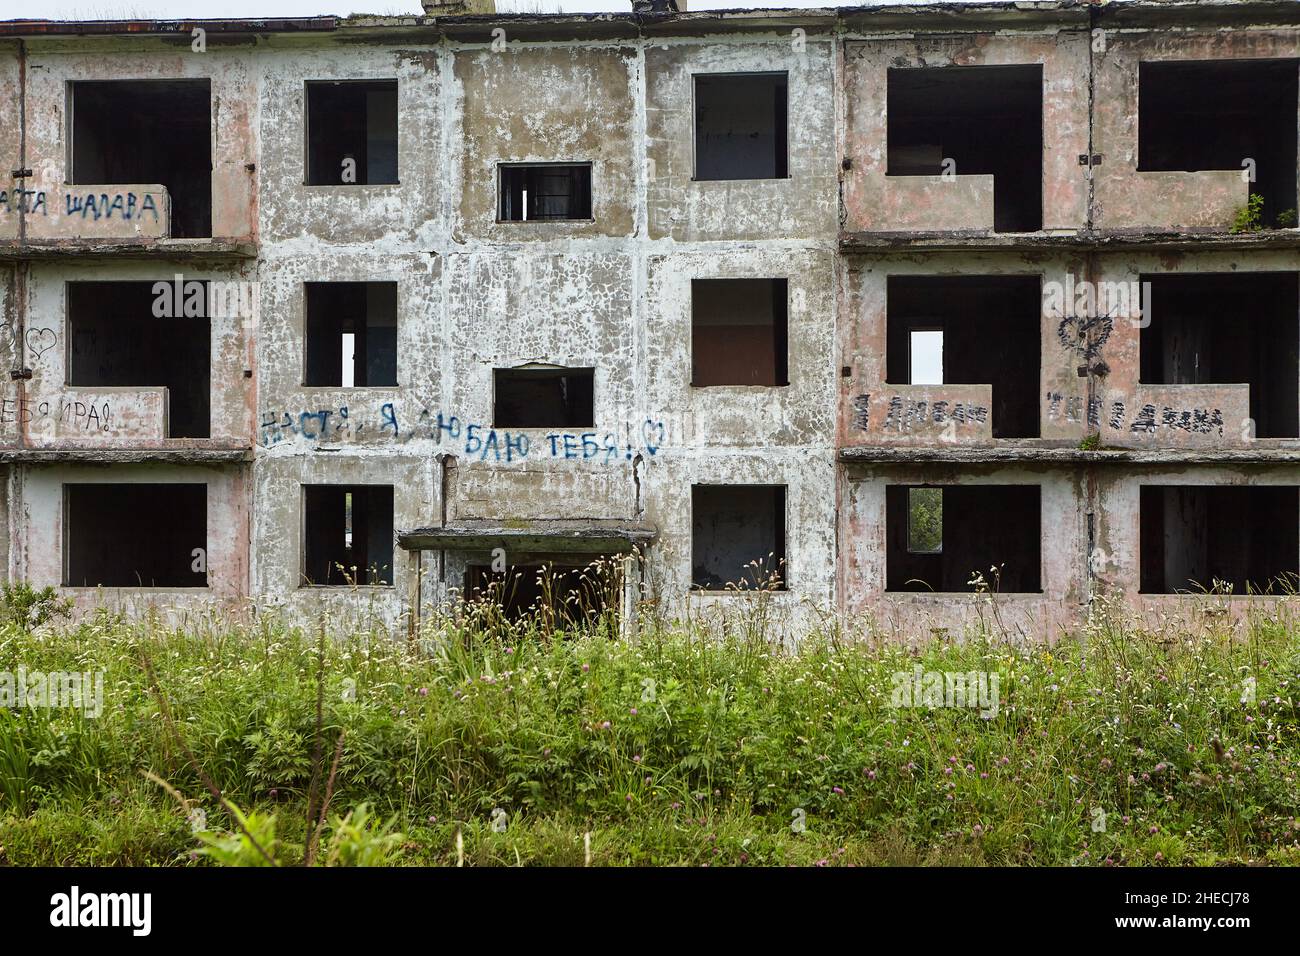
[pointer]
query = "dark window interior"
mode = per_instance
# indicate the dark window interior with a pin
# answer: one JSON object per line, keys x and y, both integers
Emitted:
{"x": 544, "y": 398}
{"x": 545, "y": 191}
{"x": 564, "y": 595}
{"x": 116, "y": 340}
{"x": 981, "y": 527}
{"x": 148, "y": 131}
{"x": 1193, "y": 535}
{"x": 128, "y": 535}
{"x": 738, "y": 536}
{"x": 355, "y": 120}
{"x": 740, "y": 126}
{"x": 987, "y": 119}
{"x": 738, "y": 331}
{"x": 1195, "y": 115}
{"x": 991, "y": 335}
{"x": 1225, "y": 329}
{"x": 348, "y": 527}
{"x": 351, "y": 334}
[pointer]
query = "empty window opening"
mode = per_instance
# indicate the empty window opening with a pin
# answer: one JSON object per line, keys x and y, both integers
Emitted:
{"x": 1229, "y": 328}
{"x": 116, "y": 340}
{"x": 975, "y": 330}
{"x": 740, "y": 126}
{"x": 738, "y": 332}
{"x": 1195, "y": 115}
{"x": 545, "y": 191}
{"x": 351, "y": 334}
{"x": 925, "y": 520}
{"x": 1199, "y": 538}
{"x": 925, "y": 357}
{"x": 973, "y": 120}
{"x": 544, "y": 398}
{"x": 939, "y": 538}
{"x": 738, "y": 537}
{"x": 107, "y": 543}
{"x": 351, "y": 133}
{"x": 553, "y": 593}
{"x": 347, "y": 535}
{"x": 139, "y": 132}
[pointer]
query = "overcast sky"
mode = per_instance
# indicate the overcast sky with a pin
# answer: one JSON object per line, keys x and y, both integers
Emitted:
{"x": 214, "y": 9}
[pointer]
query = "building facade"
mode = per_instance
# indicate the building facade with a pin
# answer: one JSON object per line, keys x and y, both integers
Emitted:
{"x": 346, "y": 315}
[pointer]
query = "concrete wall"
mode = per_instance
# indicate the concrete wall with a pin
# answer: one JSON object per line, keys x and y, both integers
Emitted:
{"x": 1128, "y": 200}
{"x": 613, "y": 293}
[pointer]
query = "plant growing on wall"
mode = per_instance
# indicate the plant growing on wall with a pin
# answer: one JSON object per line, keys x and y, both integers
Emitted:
{"x": 1249, "y": 218}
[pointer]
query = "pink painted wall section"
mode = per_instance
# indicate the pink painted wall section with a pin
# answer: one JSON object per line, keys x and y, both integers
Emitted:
{"x": 227, "y": 521}
{"x": 891, "y": 413}
{"x": 922, "y": 415}
{"x": 913, "y": 616}
{"x": 875, "y": 202}
{"x": 933, "y": 204}
{"x": 109, "y": 211}
{"x": 1177, "y": 416}
{"x": 1128, "y": 200}
{"x": 52, "y": 412}
{"x": 104, "y": 417}
{"x": 234, "y": 147}
{"x": 10, "y": 137}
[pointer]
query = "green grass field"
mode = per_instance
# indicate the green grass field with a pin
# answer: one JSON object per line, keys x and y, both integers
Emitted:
{"x": 492, "y": 745}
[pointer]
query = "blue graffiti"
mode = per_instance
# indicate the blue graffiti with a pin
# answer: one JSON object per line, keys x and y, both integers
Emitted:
{"x": 484, "y": 442}
{"x": 104, "y": 207}
{"x": 27, "y": 200}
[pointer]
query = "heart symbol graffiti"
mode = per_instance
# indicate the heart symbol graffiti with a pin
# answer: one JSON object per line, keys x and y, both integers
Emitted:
{"x": 1074, "y": 333}
{"x": 37, "y": 340}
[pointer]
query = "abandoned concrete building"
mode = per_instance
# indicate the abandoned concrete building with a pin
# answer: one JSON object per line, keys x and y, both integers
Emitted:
{"x": 339, "y": 313}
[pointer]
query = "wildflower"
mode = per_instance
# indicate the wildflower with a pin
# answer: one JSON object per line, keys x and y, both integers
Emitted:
{"x": 970, "y": 768}
{"x": 636, "y": 758}
{"x": 546, "y": 751}
{"x": 947, "y": 771}
{"x": 984, "y": 776}
{"x": 1155, "y": 829}
{"x": 837, "y": 790}
{"x": 871, "y": 774}
{"x": 1159, "y": 855}
{"x": 605, "y": 725}
{"x": 675, "y": 805}
{"x": 423, "y": 692}
{"x": 629, "y": 798}
{"x": 433, "y": 820}
{"x": 632, "y": 711}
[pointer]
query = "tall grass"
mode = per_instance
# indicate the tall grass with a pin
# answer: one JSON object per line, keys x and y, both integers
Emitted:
{"x": 682, "y": 747}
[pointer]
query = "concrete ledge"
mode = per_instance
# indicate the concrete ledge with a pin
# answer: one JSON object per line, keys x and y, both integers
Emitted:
{"x": 171, "y": 249}
{"x": 1023, "y": 455}
{"x": 554, "y": 536}
{"x": 1083, "y": 241}
{"x": 72, "y": 454}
